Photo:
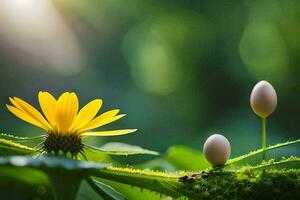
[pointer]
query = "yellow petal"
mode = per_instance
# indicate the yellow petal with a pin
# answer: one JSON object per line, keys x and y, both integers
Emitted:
{"x": 86, "y": 114}
{"x": 66, "y": 110}
{"x": 31, "y": 111}
{"x": 100, "y": 120}
{"x": 24, "y": 116}
{"x": 48, "y": 104}
{"x": 102, "y": 123}
{"x": 15, "y": 103}
{"x": 109, "y": 133}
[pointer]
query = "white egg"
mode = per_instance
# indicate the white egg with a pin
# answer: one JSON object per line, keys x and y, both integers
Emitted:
{"x": 217, "y": 149}
{"x": 263, "y": 99}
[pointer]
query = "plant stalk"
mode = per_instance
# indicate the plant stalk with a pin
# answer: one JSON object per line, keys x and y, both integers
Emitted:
{"x": 264, "y": 136}
{"x": 65, "y": 185}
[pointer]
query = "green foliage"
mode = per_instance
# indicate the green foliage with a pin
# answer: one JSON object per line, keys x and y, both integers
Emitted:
{"x": 24, "y": 183}
{"x": 158, "y": 164}
{"x": 260, "y": 151}
{"x": 106, "y": 191}
{"x": 272, "y": 163}
{"x": 116, "y": 148}
{"x": 64, "y": 176}
{"x": 185, "y": 158}
{"x": 18, "y": 138}
{"x": 163, "y": 183}
{"x": 53, "y": 163}
{"x": 175, "y": 185}
{"x": 8, "y": 147}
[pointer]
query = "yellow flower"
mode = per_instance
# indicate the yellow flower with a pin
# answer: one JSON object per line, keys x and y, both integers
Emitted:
{"x": 65, "y": 126}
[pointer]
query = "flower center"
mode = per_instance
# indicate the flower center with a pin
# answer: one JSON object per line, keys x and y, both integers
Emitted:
{"x": 58, "y": 143}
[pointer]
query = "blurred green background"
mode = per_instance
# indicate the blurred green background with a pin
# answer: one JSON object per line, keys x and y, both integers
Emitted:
{"x": 181, "y": 70}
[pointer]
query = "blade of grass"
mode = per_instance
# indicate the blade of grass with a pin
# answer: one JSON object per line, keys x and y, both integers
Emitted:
{"x": 19, "y": 139}
{"x": 260, "y": 151}
{"x": 8, "y": 147}
{"x": 272, "y": 163}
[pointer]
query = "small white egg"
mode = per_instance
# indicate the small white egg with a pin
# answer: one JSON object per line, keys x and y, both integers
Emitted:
{"x": 217, "y": 149}
{"x": 263, "y": 99}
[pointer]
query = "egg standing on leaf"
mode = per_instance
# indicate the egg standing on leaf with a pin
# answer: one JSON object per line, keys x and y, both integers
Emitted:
{"x": 263, "y": 99}
{"x": 217, "y": 149}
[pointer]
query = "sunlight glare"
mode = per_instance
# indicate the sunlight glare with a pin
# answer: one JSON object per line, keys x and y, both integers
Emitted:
{"x": 37, "y": 29}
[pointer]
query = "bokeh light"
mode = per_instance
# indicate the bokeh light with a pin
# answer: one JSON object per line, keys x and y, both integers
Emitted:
{"x": 154, "y": 66}
{"x": 38, "y": 30}
{"x": 264, "y": 52}
{"x": 161, "y": 52}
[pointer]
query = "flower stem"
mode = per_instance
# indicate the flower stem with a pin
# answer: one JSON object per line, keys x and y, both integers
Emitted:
{"x": 264, "y": 136}
{"x": 65, "y": 184}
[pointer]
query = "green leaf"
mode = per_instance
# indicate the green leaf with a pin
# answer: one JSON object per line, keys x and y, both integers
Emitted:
{"x": 273, "y": 163}
{"x": 185, "y": 158}
{"x": 93, "y": 156}
{"x": 17, "y": 138}
{"x": 106, "y": 191}
{"x": 132, "y": 192}
{"x": 86, "y": 192}
{"x": 260, "y": 151}
{"x": 164, "y": 183}
{"x": 8, "y": 147}
{"x": 116, "y": 148}
{"x": 157, "y": 164}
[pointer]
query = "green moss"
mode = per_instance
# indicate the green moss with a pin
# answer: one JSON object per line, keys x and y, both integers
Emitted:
{"x": 242, "y": 185}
